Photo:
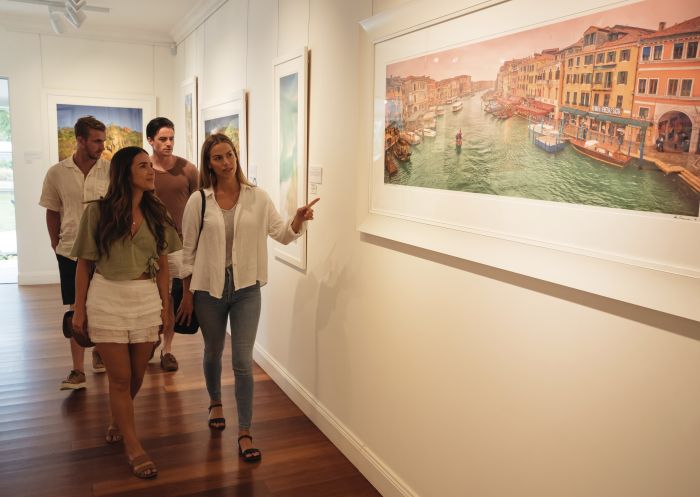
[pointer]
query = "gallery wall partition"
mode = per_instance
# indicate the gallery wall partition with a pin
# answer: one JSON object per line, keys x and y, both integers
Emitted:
{"x": 518, "y": 138}
{"x": 39, "y": 69}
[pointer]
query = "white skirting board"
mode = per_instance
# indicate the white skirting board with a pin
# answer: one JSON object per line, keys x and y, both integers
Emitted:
{"x": 379, "y": 475}
{"x": 38, "y": 277}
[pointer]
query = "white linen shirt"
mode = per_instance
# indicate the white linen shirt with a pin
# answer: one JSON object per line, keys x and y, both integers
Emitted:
{"x": 255, "y": 219}
{"x": 66, "y": 189}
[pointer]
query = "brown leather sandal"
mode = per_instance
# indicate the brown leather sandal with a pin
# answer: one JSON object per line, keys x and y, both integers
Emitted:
{"x": 142, "y": 467}
{"x": 113, "y": 436}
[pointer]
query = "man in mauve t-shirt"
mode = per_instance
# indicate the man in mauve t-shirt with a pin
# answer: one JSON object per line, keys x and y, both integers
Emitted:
{"x": 176, "y": 179}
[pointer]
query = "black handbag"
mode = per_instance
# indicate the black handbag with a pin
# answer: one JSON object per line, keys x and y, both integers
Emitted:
{"x": 82, "y": 339}
{"x": 176, "y": 291}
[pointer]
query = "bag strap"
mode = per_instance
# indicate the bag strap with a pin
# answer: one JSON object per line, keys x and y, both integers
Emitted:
{"x": 204, "y": 209}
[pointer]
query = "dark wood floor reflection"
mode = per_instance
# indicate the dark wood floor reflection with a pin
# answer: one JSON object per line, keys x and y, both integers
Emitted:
{"x": 52, "y": 442}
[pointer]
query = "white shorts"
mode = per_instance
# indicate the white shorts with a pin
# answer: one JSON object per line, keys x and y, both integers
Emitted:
{"x": 123, "y": 311}
{"x": 144, "y": 335}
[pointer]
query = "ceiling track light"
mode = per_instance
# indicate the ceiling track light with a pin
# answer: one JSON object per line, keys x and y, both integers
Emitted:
{"x": 74, "y": 14}
{"x": 56, "y": 20}
{"x": 77, "y": 4}
{"x": 72, "y": 10}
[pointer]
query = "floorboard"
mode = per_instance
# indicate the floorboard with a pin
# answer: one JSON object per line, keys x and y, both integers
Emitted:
{"x": 52, "y": 442}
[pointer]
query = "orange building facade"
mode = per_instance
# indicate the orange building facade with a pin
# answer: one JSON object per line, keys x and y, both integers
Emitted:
{"x": 667, "y": 90}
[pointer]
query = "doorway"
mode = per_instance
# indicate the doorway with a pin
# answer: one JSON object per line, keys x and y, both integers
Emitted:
{"x": 8, "y": 231}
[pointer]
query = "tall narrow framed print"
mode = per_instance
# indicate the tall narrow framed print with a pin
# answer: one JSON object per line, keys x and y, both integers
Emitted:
{"x": 188, "y": 100}
{"x": 230, "y": 118}
{"x": 290, "y": 145}
{"x": 124, "y": 117}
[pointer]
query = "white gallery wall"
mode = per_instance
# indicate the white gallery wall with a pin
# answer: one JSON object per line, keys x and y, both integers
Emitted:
{"x": 436, "y": 376}
{"x": 35, "y": 62}
{"x": 439, "y": 377}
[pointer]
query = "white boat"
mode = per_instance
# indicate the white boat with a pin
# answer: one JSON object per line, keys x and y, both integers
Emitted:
{"x": 429, "y": 133}
{"x": 457, "y": 106}
{"x": 411, "y": 137}
{"x": 440, "y": 111}
{"x": 414, "y": 138}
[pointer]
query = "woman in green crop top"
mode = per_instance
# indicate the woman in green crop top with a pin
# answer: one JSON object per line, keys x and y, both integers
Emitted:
{"x": 125, "y": 238}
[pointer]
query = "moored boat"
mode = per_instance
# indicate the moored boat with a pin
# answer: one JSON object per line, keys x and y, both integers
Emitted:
{"x": 411, "y": 137}
{"x": 590, "y": 149}
{"x": 389, "y": 164}
{"x": 457, "y": 106}
{"x": 429, "y": 133}
{"x": 402, "y": 150}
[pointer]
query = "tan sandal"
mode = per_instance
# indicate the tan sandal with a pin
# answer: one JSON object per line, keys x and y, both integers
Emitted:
{"x": 142, "y": 467}
{"x": 114, "y": 436}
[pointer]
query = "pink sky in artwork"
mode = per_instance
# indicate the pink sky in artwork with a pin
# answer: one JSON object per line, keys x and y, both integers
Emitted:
{"x": 482, "y": 60}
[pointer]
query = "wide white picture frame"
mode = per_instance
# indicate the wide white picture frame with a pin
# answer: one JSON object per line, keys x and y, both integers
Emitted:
{"x": 646, "y": 259}
{"x": 103, "y": 106}
{"x": 190, "y": 113}
{"x": 224, "y": 116}
{"x": 290, "y": 89}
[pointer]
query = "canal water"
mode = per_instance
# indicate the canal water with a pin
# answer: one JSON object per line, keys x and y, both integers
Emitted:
{"x": 498, "y": 158}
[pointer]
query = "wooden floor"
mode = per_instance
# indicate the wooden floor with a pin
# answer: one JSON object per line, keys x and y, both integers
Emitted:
{"x": 52, "y": 442}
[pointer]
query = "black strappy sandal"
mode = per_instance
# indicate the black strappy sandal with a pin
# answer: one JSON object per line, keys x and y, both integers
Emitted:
{"x": 248, "y": 455}
{"x": 217, "y": 421}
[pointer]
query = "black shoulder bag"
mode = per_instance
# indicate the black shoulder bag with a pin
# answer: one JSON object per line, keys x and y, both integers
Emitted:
{"x": 177, "y": 290}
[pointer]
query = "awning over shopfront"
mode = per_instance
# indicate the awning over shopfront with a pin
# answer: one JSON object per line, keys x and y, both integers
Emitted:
{"x": 534, "y": 111}
{"x": 575, "y": 112}
{"x": 599, "y": 116}
{"x": 544, "y": 106}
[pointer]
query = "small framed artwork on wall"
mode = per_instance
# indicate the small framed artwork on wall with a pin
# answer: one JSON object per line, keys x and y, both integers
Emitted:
{"x": 230, "y": 118}
{"x": 124, "y": 117}
{"x": 190, "y": 106}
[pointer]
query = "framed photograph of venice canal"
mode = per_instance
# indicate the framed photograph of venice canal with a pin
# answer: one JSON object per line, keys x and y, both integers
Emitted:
{"x": 554, "y": 140}
{"x": 124, "y": 117}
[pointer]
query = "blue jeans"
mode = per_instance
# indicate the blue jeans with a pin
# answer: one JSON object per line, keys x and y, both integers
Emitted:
{"x": 242, "y": 307}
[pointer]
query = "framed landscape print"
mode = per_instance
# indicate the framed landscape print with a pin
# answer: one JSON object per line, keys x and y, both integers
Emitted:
{"x": 290, "y": 145}
{"x": 229, "y": 118}
{"x": 124, "y": 118}
{"x": 551, "y": 142}
{"x": 189, "y": 106}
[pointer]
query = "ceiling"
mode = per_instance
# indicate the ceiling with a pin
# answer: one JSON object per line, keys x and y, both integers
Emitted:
{"x": 139, "y": 20}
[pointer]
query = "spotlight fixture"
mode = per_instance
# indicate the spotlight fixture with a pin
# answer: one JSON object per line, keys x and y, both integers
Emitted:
{"x": 56, "y": 20}
{"x": 72, "y": 10}
{"x": 73, "y": 13}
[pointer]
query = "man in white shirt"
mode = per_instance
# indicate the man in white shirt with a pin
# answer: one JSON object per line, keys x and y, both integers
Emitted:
{"x": 67, "y": 186}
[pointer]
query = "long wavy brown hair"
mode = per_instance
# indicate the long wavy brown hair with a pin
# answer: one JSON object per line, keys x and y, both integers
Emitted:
{"x": 115, "y": 208}
{"x": 207, "y": 177}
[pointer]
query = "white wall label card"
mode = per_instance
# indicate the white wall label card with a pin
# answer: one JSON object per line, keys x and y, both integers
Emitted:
{"x": 316, "y": 174}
